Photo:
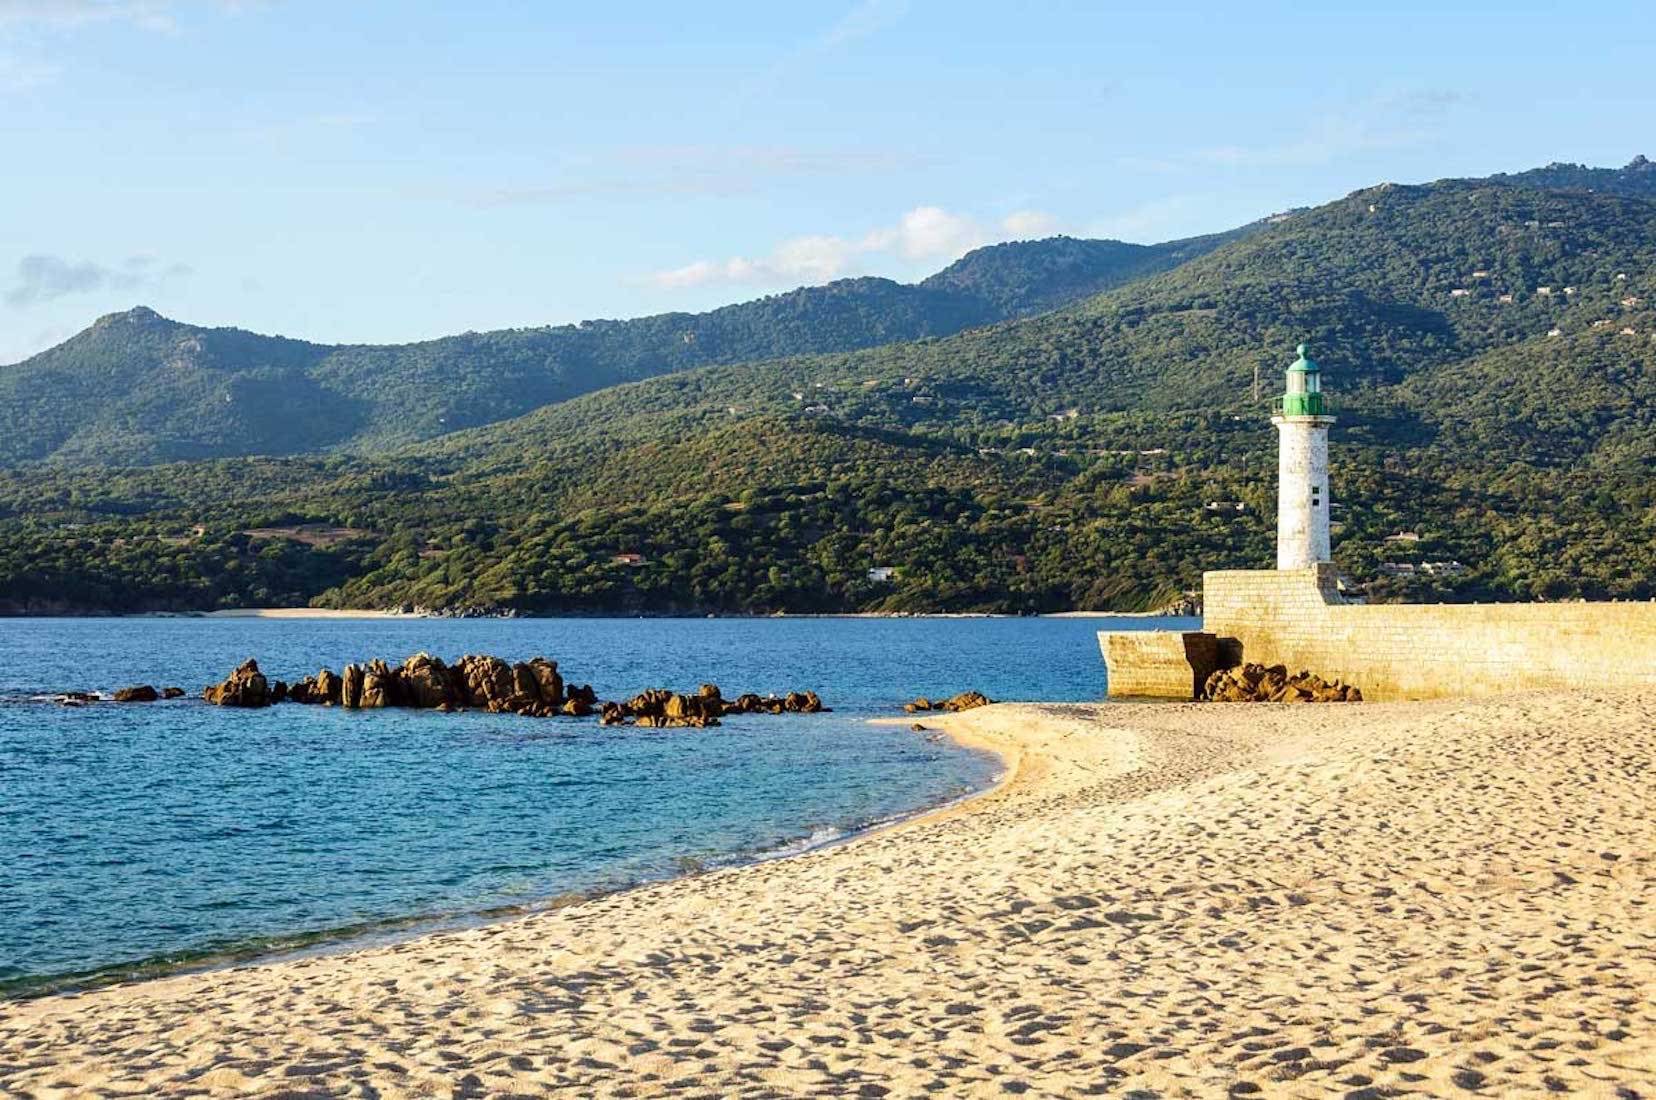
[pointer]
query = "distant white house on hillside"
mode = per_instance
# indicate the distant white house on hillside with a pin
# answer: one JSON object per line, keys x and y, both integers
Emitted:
{"x": 884, "y": 574}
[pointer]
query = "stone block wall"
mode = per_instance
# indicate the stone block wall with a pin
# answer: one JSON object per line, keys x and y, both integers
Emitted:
{"x": 1162, "y": 664}
{"x": 1419, "y": 651}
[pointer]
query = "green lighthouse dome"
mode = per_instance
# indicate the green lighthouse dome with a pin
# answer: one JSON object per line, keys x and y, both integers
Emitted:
{"x": 1304, "y": 393}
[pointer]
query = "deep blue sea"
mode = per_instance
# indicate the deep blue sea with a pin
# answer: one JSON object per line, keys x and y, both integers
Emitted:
{"x": 142, "y": 836}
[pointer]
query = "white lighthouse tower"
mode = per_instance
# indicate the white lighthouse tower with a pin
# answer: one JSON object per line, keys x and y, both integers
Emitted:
{"x": 1302, "y": 469}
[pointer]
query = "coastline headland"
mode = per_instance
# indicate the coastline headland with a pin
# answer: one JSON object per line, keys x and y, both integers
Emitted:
{"x": 1435, "y": 897}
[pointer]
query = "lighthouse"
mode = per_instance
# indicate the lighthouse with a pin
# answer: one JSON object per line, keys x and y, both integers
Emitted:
{"x": 1302, "y": 468}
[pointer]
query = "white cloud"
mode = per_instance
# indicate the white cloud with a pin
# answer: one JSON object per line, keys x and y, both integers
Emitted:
{"x": 927, "y": 233}
{"x": 1029, "y": 224}
{"x": 63, "y": 14}
{"x": 28, "y": 22}
{"x": 924, "y": 234}
{"x": 44, "y": 278}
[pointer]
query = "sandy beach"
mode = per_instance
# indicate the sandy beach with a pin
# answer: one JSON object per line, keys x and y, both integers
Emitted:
{"x": 302, "y": 613}
{"x": 1179, "y": 900}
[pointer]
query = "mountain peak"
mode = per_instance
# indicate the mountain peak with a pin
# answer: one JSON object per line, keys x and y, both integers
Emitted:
{"x": 137, "y": 315}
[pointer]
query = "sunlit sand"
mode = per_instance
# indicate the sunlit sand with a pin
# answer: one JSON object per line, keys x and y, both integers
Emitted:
{"x": 1187, "y": 900}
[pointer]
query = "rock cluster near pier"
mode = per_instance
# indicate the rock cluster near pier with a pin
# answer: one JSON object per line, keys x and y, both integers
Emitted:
{"x": 1251, "y": 683}
{"x": 532, "y": 688}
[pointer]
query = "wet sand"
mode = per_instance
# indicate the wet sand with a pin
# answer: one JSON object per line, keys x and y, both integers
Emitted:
{"x": 1179, "y": 900}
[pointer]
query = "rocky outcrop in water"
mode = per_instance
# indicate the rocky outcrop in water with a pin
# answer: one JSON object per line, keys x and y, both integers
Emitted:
{"x": 245, "y": 687}
{"x": 138, "y": 693}
{"x": 1252, "y": 683}
{"x": 481, "y": 682}
{"x": 664, "y": 708}
{"x": 966, "y": 700}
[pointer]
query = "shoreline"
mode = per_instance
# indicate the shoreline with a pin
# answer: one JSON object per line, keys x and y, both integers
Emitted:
{"x": 390, "y": 931}
{"x": 323, "y": 613}
{"x": 284, "y": 613}
{"x": 1369, "y": 891}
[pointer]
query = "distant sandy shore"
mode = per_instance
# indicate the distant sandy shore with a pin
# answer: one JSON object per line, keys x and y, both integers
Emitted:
{"x": 1116, "y": 615}
{"x": 301, "y": 613}
{"x": 1188, "y": 900}
{"x": 332, "y": 613}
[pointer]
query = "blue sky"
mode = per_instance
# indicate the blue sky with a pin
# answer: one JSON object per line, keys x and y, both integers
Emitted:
{"x": 385, "y": 172}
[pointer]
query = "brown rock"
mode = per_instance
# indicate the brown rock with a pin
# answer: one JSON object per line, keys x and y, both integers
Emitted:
{"x": 966, "y": 700}
{"x": 547, "y": 680}
{"x": 486, "y": 679}
{"x": 330, "y": 687}
{"x": 350, "y": 687}
{"x": 172, "y": 693}
{"x": 424, "y": 681}
{"x": 139, "y": 693}
{"x": 245, "y": 687}
{"x": 1255, "y": 683}
{"x": 379, "y": 685}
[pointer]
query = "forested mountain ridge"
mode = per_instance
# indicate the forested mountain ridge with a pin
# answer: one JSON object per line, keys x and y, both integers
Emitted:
{"x": 1386, "y": 283}
{"x": 137, "y": 388}
{"x": 1637, "y": 179}
{"x": 1023, "y": 278}
{"x": 1488, "y": 348}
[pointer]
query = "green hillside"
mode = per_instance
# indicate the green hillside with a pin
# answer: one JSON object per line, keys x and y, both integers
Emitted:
{"x": 1638, "y": 179}
{"x": 136, "y": 387}
{"x": 1099, "y": 456}
{"x": 1023, "y": 278}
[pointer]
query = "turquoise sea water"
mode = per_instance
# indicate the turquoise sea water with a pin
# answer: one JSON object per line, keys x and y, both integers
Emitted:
{"x": 145, "y": 835}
